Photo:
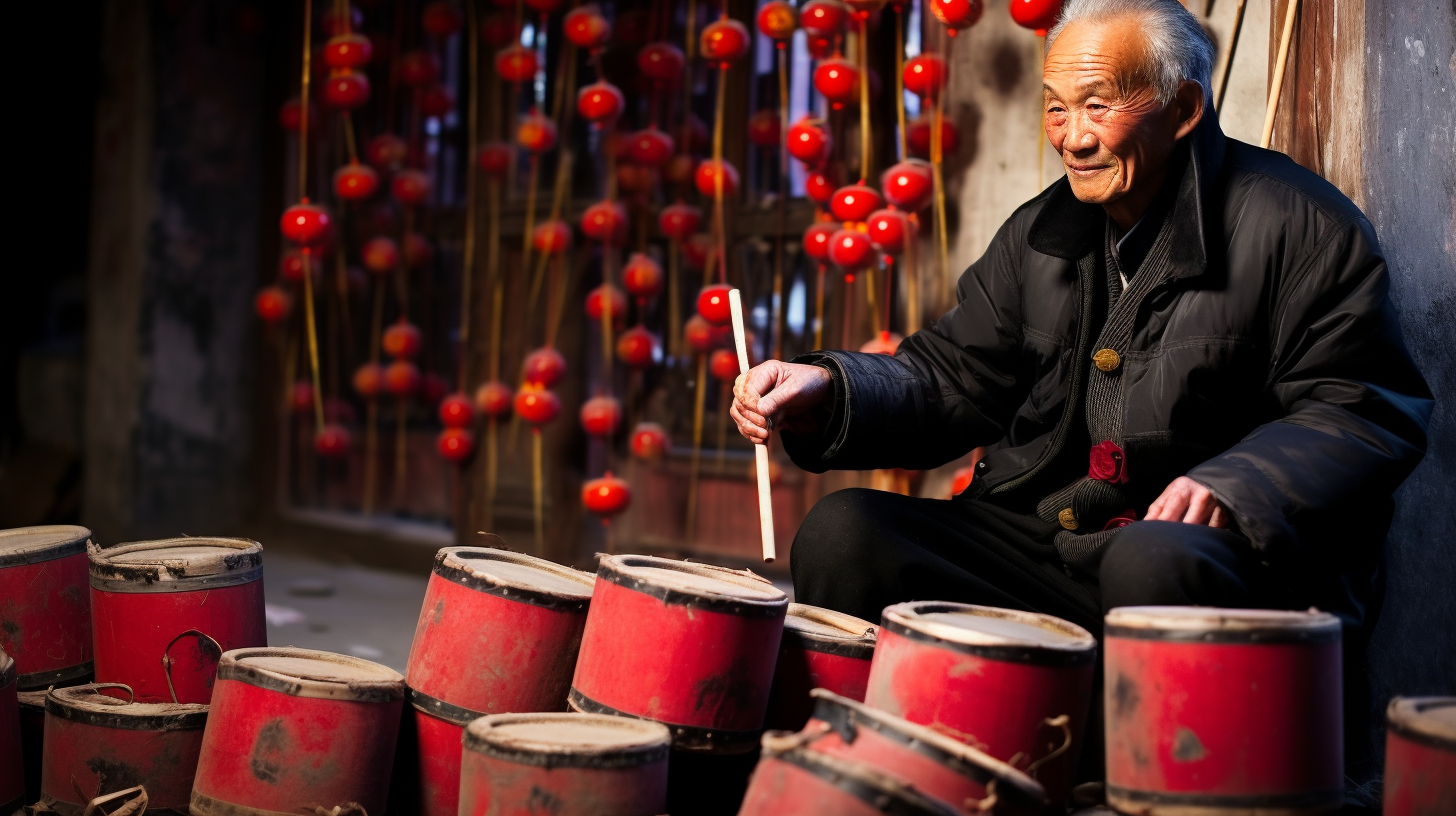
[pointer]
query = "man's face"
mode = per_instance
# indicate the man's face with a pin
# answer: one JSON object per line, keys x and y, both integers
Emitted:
{"x": 1103, "y": 116}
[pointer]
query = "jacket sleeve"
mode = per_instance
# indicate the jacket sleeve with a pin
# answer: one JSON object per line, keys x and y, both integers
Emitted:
{"x": 948, "y": 389}
{"x": 1356, "y": 409}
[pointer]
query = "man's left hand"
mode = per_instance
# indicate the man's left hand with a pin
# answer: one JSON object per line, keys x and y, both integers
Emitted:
{"x": 1188, "y": 501}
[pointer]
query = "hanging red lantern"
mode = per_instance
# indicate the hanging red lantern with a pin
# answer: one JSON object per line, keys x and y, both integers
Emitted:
{"x": 887, "y": 230}
{"x": 498, "y": 29}
{"x": 777, "y": 20}
{"x": 516, "y": 63}
{"x": 600, "y": 416}
{"x": 586, "y": 28}
{"x": 290, "y": 115}
{"x": 419, "y": 253}
{"x": 418, "y": 68}
{"x": 917, "y": 137}
{"x": 1037, "y": 15}
{"x": 536, "y": 405}
{"x": 820, "y": 47}
{"x": 679, "y": 221}
{"x": 642, "y": 276}
{"x": 272, "y": 304}
{"x": 441, "y": 19}
{"x": 909, "y": 185}
{"x": 433, "y": 388}
{"x": 650, "y": 147}
{"x": 607, "y": 298}
{"x": 544, "y": 367}
{"x": 455, "y": 444}
{"x": 763, "y": 128}
{"x": 648, "y": 441}
{"x": 816, "y": 239}
{"x": 637, "y": 348}
{"x": 808, "y": 141}
{"x": 536, "y": 133}
{"x": 700, "y": 335}
{"x": 713, "y": 304}
{"x": 551, "y": 237}
{"x": 368, "y": 380}
{"x": 680, "y": 169}
{"x": 401, "y": 378}
{"x": 723, "y": 365}
{"x": 493, "y": 399}
{"x": 435, "y": 100}
{"x": 707, "y": 176}
{"x": 634, "y": 179}
{"x": 331, "y": 441}
{"x": 347, "y": 51}
{"x": 457, "y": 411}
{"x": 403, "y": 340}
{"x": 380, "y": 255}
{"x": 824, "y": 18}
{"x": 724, "y": 41}
{"x": 661, "y": 62}
{"x": 605, "y": 221}
{"x": 855, "y": 202}
{"x": 957, "y": 14}
{"x": 838, "y": 80}
{"x": 410, "y": 187}
{"x": 386, "y": 151}
{"x": 290, "y": 266}
{"x": 925, "y": 75}
{"x": 819, "y": 186}
{"x": 886, "y": 343}
{"x": 606, "y": 496}
{"x": 355, "y": 182}
{"x": 850, "y": 250}
{"x": 600, "y": 102}
{"x": 345, "y": 90}
{"x": 305, "y": 224}
{"x": 333, "y": 23}
{"x": 494, "y": 158}
{"x": 696, "y": 249}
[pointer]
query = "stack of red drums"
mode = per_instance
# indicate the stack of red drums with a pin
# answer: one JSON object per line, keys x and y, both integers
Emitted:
{"x": 1420, "y": 756}
{"x": 792, "y": 779}
{"x": 295, "y": 731}
{"x": 822, "y": 649}
{"x": 97, "y": 745}
{"x": 45, "y": 613}
{"x": 165, "y": 611}
{"x": 1014, "y": 685}
{"x": 565, "y": 765}
{"x": 1228, "y": 709}
{"x": 498, "y": 632}
{"x": 12, "y": 770}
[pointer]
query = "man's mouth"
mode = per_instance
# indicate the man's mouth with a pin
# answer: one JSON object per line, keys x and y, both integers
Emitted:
{"x": 1086, "y": 169}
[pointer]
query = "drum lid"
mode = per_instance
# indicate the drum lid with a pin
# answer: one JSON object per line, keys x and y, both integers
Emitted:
{"x": 31, "y": 545}
{"x": 32, "y": 700}
{"x": 1215, "y": 625}
{"x": 558, "y": 740}
{"x": 176, "y": 565}
{"x": 1007, "y": 634}
{"x": 824, "y": 630}
{"x": 1428, "y": 720}
{"x": 888, "y": 794}
{"x": 515, "y": 576}
{"x": 698, "y": 585}
{"x": 311, "y": 673}
{"x": 86, "y": 704}
{"x": 7, "y": 669}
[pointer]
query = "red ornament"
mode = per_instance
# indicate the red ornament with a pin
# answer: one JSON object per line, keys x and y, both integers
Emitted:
{"x": 909, "y": 185}
{"x": 808, "y": 141}
{"x": 334, "y": 24}
{"x": 418, "y": 68}
{"x": 272, "y": 304}
{"x": 642, "y": 276}
{"x": 723, "y": 365}
{"x": 1107, "y": 463}
{"x": 606, "y": 496}
{"x": 1037, "y": 15}
{"x": 763, "y": 128}
{"x": 551, "y": 237}
{"x": 957, "y": 14}
{"x": 838, "y": 80}
{"x": 585, "y": 27}
{"x": 386, "y": 151}
{"x": 650, "y": 147}
{"x": 887, "y": 230}
{"x": 536, "y": 133}
{"x": 851, "y": 250}
{"x": 680, "y": 169}
{"x": 457, "y": 411}
{"x": 707, "y": 176}
{"x": 634, "y": 179}
{"x": 401, "y": 378}
{"x": 696, "y": 250}
{"x": 403, "y": 340}
{"x": 609, "y": 298}
{"x": 700, "y": 335}
{"x": 855, "y": 202}
{"x": 331, "y": 441}
{"x": 917, "y": 138}
{"x": 661, "y": 62}
{"x": 455, "y": 444}
{"x": 441, "y": 19}
{"x": 380, "y": 255}
{"x": 493, "y": 399}
{"x": 713, "y": 304}
{"x": 724, "y": 41}
{"x": 535, "y": 405}
{"x": 348, "y": 51}
{"x": 600, "y": 102}
{"x": 824, "y": 18}
{"x": 679, "y": 221}
{"x": 435, "y": 100}
{"x": 355, "y": 182}
{"x": 346, "y": 90}
{"x": 410, "y": 187}
{"x": 886, "y": 343}
{"x": 600, "y": 416}
{"x": 544, "y": 367}
{"x": 637, "y": 348}
{"x": 494, "y": 158}
{"x": 777, "y": 20}
{"x": 649, "y": 441}
{"x": 820, "y": 47}
{"x": 605, "y": 221}
{"x": 516, "y": 63}
{"x": 816, "y": 239}
{"x": 291, "y": 266}
{"x": 369, "y": 380}
{"x": 419, "y": 253}
{"x": 925, "y": 75}
{"x": 290, "y": 115}
{"x": 305, "y": 224}
{"x": 820, "y": 186}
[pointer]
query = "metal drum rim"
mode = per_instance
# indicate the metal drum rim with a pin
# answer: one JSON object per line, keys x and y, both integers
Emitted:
{"x": 218, "y": 571}
{"x": 887, "y": 793}
{"x": 614, "y": 569}
{"x": 1212, "y": 804}
{"x": 860, "y": 646}
{"x": 43, "y": 680}
{"x": 1208, "y": 624}
{"x": 388, "y": 688}
{"x": 452, "y": 568}
{"x": 1082, "y": 650}
{"x": 654, "y": 745}
{"x": 60, "y": 547}
{"x": 1402, "y": 717}
{"x": 691, "y": 738}
{"x": 64, "y": 704}
{"x": 441, "y": 710}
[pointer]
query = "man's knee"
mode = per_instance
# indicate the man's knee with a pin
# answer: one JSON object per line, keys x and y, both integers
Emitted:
{"x": 837, "y": 530}
{"x": 1155, "y": 563}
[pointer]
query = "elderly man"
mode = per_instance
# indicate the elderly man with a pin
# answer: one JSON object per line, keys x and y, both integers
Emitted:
{"x": 1181, "y": 358}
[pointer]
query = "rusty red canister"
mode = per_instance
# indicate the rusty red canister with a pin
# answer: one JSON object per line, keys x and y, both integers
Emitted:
{"x": 164, "y": 611}
{"x": 1224, "y": 710}
{"x": 12, "y": 767}
{"x": 936, "y": 765}
{"x": 97, "y": 744}
{"x": 297, "y": 728}
{"x": 1420, "y": 756}
{"x": 824, "y": 649}
{"x": 792, "y": 779}
{"x": 32, "y": 739}
{"x": 1015, "y": 685}
{"x": 45, "y": 612}
{"x": 691, "y": 646}
{"x": 565, "y": 765}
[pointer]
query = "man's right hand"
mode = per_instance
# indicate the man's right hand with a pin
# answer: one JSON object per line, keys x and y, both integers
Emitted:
{"x": 786, "y": 396}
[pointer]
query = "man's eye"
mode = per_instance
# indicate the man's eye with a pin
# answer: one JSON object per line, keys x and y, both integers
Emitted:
{"x": 1056, "y": 109}
{"x": 1096, "y": 107}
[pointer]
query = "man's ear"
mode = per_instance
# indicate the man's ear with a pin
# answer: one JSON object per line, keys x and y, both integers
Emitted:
{"x": 1188, "y": 107}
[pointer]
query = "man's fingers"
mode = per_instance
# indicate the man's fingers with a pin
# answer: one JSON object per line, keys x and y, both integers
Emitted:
{"x": 1175, "y": 504}
{"x": 750, "y": 430}
{"x": 1219, "y": 518}
{"x": 1199, "y": 508}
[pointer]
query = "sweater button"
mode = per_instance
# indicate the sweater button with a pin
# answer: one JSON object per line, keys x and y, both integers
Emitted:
{"x": 1106, "y": 360}
{"x": 1068, "y": 518}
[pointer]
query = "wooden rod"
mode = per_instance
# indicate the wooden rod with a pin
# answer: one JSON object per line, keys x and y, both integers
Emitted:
{"x": 760, "y": 451}
{"x": 1278, "y": 83}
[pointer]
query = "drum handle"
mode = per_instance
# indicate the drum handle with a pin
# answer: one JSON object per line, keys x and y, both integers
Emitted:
{"x": 130, "y": 695}
{"x": 135, "y": 807}
{"x": 1063, "y": 722}
{"x": 167, "y": 660}
{"x": 987, "y": 804}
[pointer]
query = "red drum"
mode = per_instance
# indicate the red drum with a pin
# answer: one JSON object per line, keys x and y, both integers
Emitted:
{"x": 935, "y": 764}
{"x": 97, "y": 744}
{"x": 689, "y": 645}
{"x": 565, "y": 765}
{"x": 1015, "y": 685}
{"x": 1223, "y": 710}
{"x": 1420, "y": 756}
{"x": 45, "y": 614}
{"x": 165, "y": 611}
{"x": 12, "y": 767}
{"x": 32, "y": 740}
{"x": 298, "y": 729}
{"x": 821, "y": 649}
{"x": 791, "y": 778}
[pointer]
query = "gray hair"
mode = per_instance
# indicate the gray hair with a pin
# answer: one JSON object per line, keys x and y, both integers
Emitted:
{"x": 1178, "y": 47}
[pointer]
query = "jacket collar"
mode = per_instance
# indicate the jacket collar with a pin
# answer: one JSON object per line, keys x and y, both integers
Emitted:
{"x": 1067, "y": 228}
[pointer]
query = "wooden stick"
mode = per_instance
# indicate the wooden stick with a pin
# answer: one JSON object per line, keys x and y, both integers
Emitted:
{"x": 1221, "y": 82}
{"x": 760, "y": 452}
{"x": 1278, "y": 84}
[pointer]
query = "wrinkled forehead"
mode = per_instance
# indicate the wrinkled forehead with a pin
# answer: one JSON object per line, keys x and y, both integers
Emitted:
{"x": 1090, "y": 55}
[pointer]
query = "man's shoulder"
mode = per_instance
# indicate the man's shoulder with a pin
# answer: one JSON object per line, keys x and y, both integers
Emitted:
{"x": 1268, "y": 188}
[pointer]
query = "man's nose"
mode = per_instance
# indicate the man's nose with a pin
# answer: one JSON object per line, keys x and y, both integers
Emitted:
{"x": 1079, "y": 136}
